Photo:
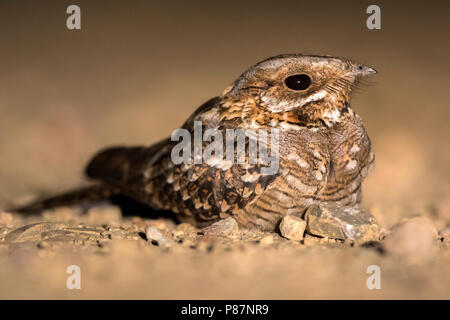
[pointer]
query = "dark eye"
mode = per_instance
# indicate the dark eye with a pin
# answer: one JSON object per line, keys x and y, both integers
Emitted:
{"x": 298, "y": 82}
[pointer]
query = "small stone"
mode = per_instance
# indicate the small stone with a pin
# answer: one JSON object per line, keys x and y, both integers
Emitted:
{"x": 154, "y": 234}
{"x": 341, "y": 222}
{"x": 414, "y": 238}
{"x": 266, "y": 240}
{"x": 383, "y": 233}
{"x": 34, "y": 232}
{"x": 161, "y": 224}
{"x": 292, "y": 227}
{"x": 445, "y": 233}
{"x": 222, "y": 228}
{"x": 6, "y": 219}
{"x": 178, "y": 233}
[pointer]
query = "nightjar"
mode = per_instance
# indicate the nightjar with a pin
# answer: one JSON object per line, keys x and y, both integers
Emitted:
{"x": 323, "y": 150}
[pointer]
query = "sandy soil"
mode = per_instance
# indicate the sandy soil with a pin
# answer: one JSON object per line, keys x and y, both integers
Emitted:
{"x": 118, "y": 259}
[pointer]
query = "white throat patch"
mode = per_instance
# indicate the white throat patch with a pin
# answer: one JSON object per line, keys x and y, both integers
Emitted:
{"x": 331, "y": 117}
{"x": 280, "y": 106}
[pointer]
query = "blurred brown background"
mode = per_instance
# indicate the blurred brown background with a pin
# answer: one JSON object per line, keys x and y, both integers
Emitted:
{"x": 137, "y": 69}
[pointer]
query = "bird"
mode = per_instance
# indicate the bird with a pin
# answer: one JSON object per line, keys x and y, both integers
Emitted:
{"x": 323, "y": 150}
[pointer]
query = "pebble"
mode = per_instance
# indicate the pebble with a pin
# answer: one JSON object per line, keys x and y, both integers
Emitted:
{"x": 292, "y": 227}
{"x": 154, "y": 234}
{"x": 33, "y": 232}
{"x": 445, "y": 233}
{"x": 267, "y": 240}
{"x": 161, "y": 224}
{"x": 341, "y": 222}
{"x": 222, "y": 228}
{"x": 178, "y": 233}
{"x": 413, "y": 238}
{"x": 6, "y": 219}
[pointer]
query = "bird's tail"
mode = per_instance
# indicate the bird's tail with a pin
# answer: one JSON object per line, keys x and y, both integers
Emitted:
{"x": 83, "y": 196}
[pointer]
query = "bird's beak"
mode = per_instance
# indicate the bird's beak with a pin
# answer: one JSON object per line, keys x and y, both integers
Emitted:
{"x": 362, "y": 70}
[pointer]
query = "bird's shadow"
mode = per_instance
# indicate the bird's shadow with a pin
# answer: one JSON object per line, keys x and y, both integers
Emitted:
{"x": 130, "y": 207}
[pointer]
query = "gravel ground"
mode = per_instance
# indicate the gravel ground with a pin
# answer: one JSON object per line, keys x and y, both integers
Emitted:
{"x": 133, "y": 257}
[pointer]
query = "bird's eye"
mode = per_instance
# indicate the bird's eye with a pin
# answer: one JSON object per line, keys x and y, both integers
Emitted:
{"x": 298, "y": 82}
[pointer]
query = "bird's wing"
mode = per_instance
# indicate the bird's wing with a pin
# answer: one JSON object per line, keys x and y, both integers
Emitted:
{"x": 205, "y": 191}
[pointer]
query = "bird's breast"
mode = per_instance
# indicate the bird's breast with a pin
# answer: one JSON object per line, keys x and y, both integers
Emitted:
{"x": 327, "y": 164}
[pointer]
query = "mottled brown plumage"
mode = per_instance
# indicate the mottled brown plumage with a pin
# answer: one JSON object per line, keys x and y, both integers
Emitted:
{"x": 324, "y": 150}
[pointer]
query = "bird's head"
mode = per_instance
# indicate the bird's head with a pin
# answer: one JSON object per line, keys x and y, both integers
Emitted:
{"x": 314, "y": 87}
